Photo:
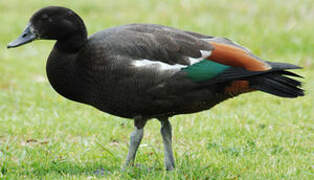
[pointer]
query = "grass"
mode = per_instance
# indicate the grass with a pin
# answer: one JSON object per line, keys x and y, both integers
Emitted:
{"x": 254, "y": 136}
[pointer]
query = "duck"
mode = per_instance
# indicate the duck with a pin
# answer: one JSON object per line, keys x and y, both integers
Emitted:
{"x": 150, "y": 71}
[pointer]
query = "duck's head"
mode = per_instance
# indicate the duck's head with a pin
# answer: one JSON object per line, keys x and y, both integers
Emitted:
{"x": 53, "y": 22}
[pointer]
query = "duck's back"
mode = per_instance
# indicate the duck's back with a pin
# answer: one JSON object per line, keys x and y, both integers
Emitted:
{"x": 127, "y": 70}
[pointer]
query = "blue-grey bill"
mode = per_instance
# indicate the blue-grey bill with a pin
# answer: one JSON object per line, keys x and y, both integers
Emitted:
{"x": 26, "y": 37}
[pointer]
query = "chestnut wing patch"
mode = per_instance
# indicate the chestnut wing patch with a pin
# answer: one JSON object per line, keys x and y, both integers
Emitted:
{"x": 236, "y": 57}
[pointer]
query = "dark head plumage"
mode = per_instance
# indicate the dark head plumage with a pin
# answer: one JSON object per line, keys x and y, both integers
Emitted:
{"x": 54, "y": 23}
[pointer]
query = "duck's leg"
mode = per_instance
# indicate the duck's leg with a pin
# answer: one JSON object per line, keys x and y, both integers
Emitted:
{"x": 167, "y": 140}
{"x": 135, "y": 140}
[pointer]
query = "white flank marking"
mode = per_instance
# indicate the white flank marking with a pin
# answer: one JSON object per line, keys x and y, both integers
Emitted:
{"x": 204, "y": 54}
{"x": 158, "y": 64}
{"x": 194, "y": 60}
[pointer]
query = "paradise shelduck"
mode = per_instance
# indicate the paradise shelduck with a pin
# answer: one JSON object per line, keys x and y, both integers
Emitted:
{"x": 145, "y": 71}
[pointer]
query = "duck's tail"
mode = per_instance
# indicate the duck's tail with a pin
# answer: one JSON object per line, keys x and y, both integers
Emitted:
{"x": 278, "y": 81}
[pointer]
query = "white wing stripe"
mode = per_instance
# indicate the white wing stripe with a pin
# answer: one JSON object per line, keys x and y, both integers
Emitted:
{"x": 158, "y": 64}
{"x": 165, "y": 66}
{"x": 204, "y": 54}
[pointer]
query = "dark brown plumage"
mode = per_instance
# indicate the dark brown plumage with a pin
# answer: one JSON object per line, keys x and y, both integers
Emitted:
{"x": 144, "y": 71}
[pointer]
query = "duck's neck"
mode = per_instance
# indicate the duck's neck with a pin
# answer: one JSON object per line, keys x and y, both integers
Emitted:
{"x": 74, "y": 37}
{"x": 71, "y": 44}
{"x": 63, "y": 75}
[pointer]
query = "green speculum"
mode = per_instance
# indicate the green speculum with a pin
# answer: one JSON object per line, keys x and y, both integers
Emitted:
{"x": 204, "y": 70}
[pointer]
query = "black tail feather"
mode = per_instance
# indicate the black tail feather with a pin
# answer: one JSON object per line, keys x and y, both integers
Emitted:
{"x": 280, "y": 66}
{"x": 278, "y": 83}
{"x": 291, "y": 74}
{"x": 287, "y": 81}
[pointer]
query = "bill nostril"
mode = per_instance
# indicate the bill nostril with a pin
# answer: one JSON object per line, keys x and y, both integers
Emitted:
{"x": 24, "y": 35}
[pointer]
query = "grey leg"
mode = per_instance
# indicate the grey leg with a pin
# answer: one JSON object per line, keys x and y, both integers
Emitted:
{"x": 167, "y": 140}
{"x": 135, "y": 140}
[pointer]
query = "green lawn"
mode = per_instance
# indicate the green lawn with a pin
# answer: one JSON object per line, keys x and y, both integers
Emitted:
{"x": 254, "y": 136}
